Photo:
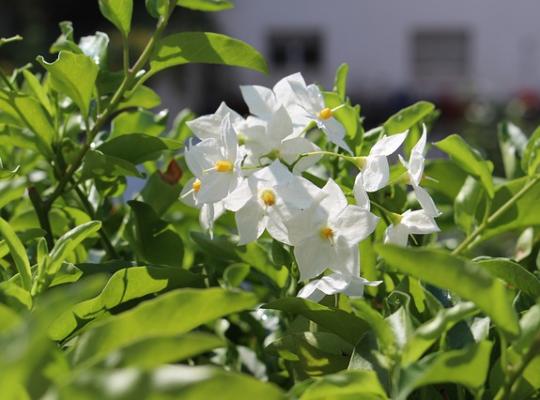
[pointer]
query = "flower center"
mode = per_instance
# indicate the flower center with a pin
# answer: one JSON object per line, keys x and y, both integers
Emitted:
{"x": 325, "y": 113}
{"x": 268, "y": 197}
{"x": 196, "y": 185}
{"x": 327, "y": 233}
{"x": 223, "y": 166}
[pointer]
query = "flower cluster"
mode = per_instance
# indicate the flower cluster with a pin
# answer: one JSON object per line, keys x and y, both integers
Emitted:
{"x": 253, "y": 167}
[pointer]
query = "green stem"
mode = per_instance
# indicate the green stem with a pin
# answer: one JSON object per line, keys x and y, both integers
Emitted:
{"x": 468, "y": 241}
{"x": 42, "y": 213}
{"x": 109, "y": 110}
{"x": 507, "y": 390}
{"x": 6, "y": 80}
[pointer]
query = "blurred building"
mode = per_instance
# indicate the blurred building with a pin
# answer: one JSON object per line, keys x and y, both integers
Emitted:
{"x": 429, "y": 48}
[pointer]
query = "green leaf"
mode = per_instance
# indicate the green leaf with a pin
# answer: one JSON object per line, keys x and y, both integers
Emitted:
{"x": 235, "y": 274}
{"x": 119, "y": 12}
{"x": 68, "y": 243}
{"x": 66, "y": 40}
{"x": 36, "y": 118}
{"x": 380, "y": 326}
{"x": 4, "y": 41}
{"x": 18, "y": 253}
{"x": 346, "y": 385}
{"x": 466, "y": 205}
{"x": 207, "y": 48}
{"x": 97, "y": 164}
{"x": 512, "y": 273}
{"x": 463, "y": 277}
{"x": 512, "y": 142}
{"x": 156, "y": 241}
{"x": 8, "y": 318}
{"x": 340, "y": 82}
{"x": 517, "y": 216}
{"x": 160, "y": 194}
{"x": 140, "y": 121}
{"x": 531, "y": 156}
{"x": 343, "y": 324}
{"x": 153, "y": 352}
{"x": 447, "y": 178}
{"x": 143, "y": 97}
{"x": 408, "y": 117}
{"x": 426, "y": 334}
{"x": 205, "y": 5}
{"x": 469, "y": 160}
{"x": 157, "y": 8}
{"x": 124, "y": 286}
{"x": 169, "y": 314}
{"x": 135, "y": 148}
{"x": 65, "y": 77}
{"x": 313, "y": 353}
{"x": 38, "y": 90}
{"x": 467, "y": 367}
{"x": 171, "y": 382}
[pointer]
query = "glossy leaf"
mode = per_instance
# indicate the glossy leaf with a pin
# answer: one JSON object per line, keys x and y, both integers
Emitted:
{"x": 512, "y": 273}
{"x": 512, "y": 142}
{"x": 119, "y": 12}
{"x": 340, "y": 81}
{"x": 463, "y": 277}
{"x": 339, "y": 322}
{"x": 135, "y": 148}
{"x": 18, "y": 253}
{"x": 469, "y": 160}
{"x": 408, "y": 117}
{"x": 140, "y": 121}
{"x": 124, "y": 286}
{"x": 466, "y": 204}
{"x": 346, "y": 385}
{"x": 204, "y": 47}
{"x": 65, "y": 77}
{"x": 531, "y": 155}
{"x": 156, "y": 241}
{"x": 436, "y": 368}
{"x": 143, "y": 97}
{"x": 166, "y": 315}
{"x": 206, "y": 5}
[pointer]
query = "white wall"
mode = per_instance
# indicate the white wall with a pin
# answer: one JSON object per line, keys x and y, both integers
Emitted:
{"x": 373, "y": 37}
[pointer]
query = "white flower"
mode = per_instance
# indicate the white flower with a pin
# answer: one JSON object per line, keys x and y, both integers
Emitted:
{"x": 273, "y": 140}
{"x": 410, "y": 223}
{"x": 335, "y": 283}
{"x": 326, "y": 234}
{"x": 267, "y": 199}
{"x": 415, "y": 170}
{"x": 375, "y": 171}
{"x": 209, "y": 212}
{"x": 216, "y": 163}
{"x": 310, "y": 107}
{"x": 264, "y": 102}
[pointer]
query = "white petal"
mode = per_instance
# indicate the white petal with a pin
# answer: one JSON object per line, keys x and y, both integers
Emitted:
{"x": 397, "y": 234}
{"x": 274, "y": 174}
{"x": 360, "y": 194}
{"x": 250, "y": 222}
{"x": 346, "y": 258}
{"x": 388, "y": 144}
{"x": 280, "y": 125}
{"x": 376, "y": 173}
{"x": 333, "y": 284}
{"x": 354, "y": 224}
{"x": 306, "y": 223}
{"x": 420, "y": 146}
{"x": 419, "y": 222}
{"x": 260, "y": 100}
{"x": 335, "y": 200}
{"x": 311, "y": 292}
{"x": 335, "y": 132}
{"x": 215, "y": 186}
{"x": 229, "y": 140}
{"x": 303, "y": 97}
{"x": 357, "y": 284}
{"x": 315, "y": 97}
{"x": 276, "y": 227}
{"x": 188, "y": 195}
{"x": 239, "y": 196}
{"x": 416, "y": 167}
{"x": 283, "y": 89}
{"x": 426, "y": 201}
{"x": 313, "y": 255}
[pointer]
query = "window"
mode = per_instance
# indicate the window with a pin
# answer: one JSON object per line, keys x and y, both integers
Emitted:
{"x": 441, "y": 54}
{"x": 295, "y": 50}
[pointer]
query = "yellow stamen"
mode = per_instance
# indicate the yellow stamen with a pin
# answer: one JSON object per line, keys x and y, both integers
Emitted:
{"x": 327, "y": 233}
{"x": 223, "y": 166}
{"x": 268, "y": 197}
{"x": 196, "y": 185}
{"x": 325, "y": 113}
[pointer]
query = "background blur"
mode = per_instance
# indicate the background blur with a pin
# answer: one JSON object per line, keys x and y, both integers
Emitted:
{"x": 479, "y": 61}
